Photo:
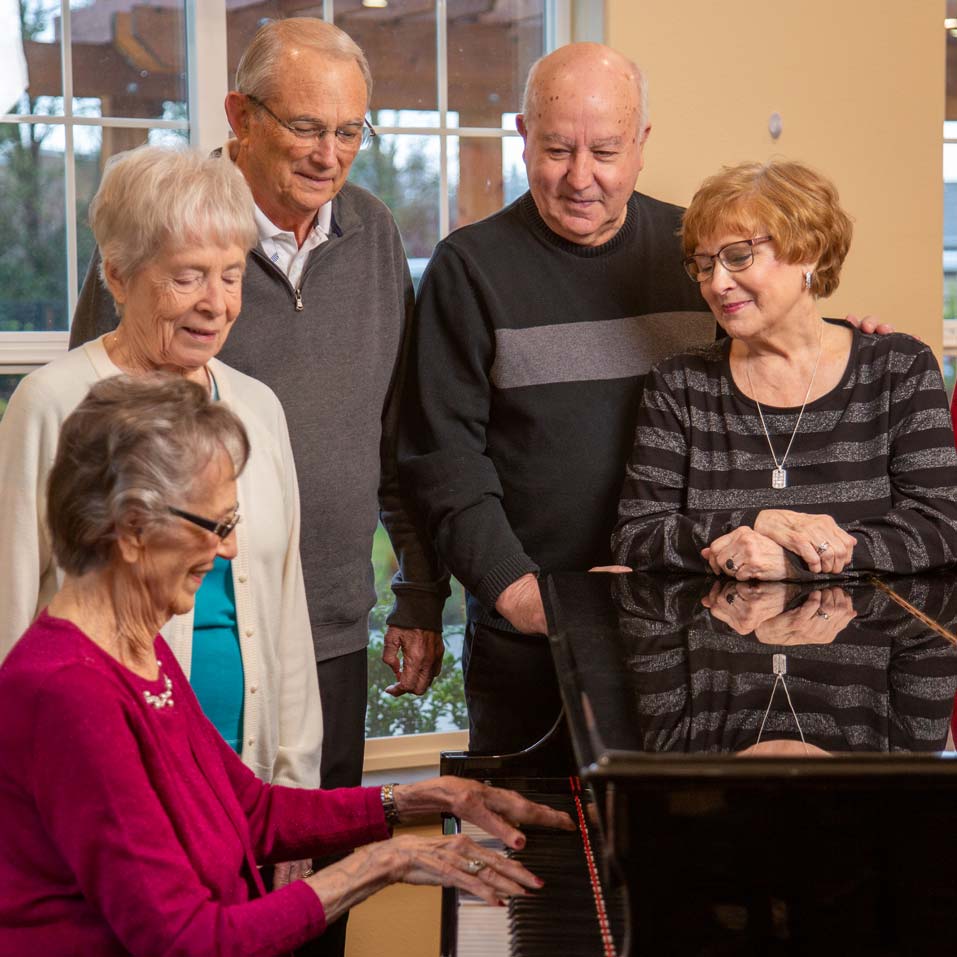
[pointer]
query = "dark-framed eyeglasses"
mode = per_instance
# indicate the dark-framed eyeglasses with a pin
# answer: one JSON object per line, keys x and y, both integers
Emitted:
{"x": 222, "y": 530}
{"x": 349, "y": 138}
{"x": 734, "y": 257}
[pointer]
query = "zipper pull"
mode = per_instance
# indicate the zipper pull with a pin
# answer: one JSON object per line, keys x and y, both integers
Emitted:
{"x": 298, "y": 300}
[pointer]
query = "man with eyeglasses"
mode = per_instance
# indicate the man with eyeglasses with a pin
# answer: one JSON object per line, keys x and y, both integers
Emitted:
{"x": 326, "y": 304}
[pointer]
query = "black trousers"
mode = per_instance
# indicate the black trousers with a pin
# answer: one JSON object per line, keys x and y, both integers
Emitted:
{"x": 343, "y": 684}
{"x": 510, "y": 689}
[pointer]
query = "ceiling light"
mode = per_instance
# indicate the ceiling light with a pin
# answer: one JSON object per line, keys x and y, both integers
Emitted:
{"x": 382, "y": 4}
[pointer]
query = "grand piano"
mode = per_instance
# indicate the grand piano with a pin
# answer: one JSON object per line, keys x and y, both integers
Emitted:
{"x": 760, "y": 768}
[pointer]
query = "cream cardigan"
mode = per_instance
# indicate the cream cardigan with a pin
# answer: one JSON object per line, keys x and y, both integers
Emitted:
{"x": 282, "y": 717}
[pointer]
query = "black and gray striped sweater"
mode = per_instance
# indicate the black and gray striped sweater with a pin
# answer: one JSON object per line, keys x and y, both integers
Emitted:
{"x": 876, "y": 453}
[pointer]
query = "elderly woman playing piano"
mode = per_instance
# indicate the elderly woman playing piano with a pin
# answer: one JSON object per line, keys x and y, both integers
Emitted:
{"x": 127, "y": 824}
{"x": 797, "y": 446}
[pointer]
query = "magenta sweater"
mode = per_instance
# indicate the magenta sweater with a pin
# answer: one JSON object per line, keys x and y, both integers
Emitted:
{"x": 127, "y": 829}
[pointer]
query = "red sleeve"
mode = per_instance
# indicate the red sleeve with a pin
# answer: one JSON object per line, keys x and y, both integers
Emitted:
{"x": 97, "y": 805}
{"x": 288, "y": 824}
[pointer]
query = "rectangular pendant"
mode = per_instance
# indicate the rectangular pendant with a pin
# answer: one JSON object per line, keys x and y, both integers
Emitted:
{"x": 779, "y": 478}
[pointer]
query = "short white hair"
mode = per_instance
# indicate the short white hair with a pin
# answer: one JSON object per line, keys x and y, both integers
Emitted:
{"x": 637, "y": 74}
{"x": 258, "y": 74}
{"x": 155, "y": 198}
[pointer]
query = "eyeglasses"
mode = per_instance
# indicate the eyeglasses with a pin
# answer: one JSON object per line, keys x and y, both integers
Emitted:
{"x": 734, "y": 257}
{"x": 348, "y": 138}
{"x": 221, "y": 530}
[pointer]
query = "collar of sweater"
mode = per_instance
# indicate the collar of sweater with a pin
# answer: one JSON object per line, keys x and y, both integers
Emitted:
{"x": 534, "y": 219}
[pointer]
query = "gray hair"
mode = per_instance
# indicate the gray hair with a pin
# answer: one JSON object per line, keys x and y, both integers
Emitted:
{"x": 258, "y": 73}
{"x": 158, "y": 197}
{"x": 637, "y": 75}
{"x": 132, "y": 447}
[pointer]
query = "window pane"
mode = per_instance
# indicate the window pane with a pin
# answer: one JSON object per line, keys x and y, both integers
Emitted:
{"x": 40, "y": 21}
{"x": 442, "y": 708}
{"x": 403, "y": 171}
{"x": 485, "y": 173}
{"x": 7, "y": 384}
{"x": 93, "y": 146}
{"x": 491, "y": 47}
{"x": 33, "y": 255}
{"x": 129, "y": 59}
{"x": 399, "y": 43}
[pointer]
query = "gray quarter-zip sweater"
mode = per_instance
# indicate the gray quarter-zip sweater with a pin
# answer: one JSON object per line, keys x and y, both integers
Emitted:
{"x": 333, "y": 351}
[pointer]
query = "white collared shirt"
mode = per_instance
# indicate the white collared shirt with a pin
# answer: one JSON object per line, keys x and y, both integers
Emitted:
{"x": 281, "y": 246}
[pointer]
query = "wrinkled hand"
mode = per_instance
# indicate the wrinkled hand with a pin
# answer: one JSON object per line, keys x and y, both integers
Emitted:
{"x": 495, "y": 810}
{"x": 422, "y": 653}
{"x": 870, "y": 324}
{"x": 750, "y": 554}
{"x": 288, "y": 871}
{"x": 746, "y": 605}
{"x": 447, "y": 860}
{"x": 803, "y": 534}
{"x": 521, "y": 605}
{"x": 818, "y": 621}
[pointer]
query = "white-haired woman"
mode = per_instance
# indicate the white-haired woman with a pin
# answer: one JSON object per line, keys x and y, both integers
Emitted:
{"x": 127, "y": 824}
{"x": 174, "y": 229}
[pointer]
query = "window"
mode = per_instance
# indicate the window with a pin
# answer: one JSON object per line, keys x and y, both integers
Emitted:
{"x": 103, "y": 77}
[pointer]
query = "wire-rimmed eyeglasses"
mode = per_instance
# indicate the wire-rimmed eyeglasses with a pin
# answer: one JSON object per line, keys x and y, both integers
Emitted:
{"x": 734, "y": 257}
{"x": 222, "y": 530}
{"x": 348, "y": 138}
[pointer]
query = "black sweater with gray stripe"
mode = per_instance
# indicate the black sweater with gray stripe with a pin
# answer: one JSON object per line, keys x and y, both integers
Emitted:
{"x": 876, "y": 453}
{"x": 528, "y": 358}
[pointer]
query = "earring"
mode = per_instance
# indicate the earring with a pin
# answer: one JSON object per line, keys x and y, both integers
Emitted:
{"x": 807, "y": 279}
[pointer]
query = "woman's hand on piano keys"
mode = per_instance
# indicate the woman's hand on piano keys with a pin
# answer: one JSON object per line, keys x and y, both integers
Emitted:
{"x": 495, "y": 810}
{"x": 458, "y": 861}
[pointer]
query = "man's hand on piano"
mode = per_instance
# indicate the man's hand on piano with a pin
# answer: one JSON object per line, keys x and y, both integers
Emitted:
{"x": 495, "y": 810}
{"x": 422, "y": 653}
{"x": 521, "y": 605}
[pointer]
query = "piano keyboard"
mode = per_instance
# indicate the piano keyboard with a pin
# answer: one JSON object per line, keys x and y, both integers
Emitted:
{"x": 568, "y": 917}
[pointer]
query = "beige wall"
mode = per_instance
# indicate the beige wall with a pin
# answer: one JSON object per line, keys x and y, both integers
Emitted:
{"x": 860, "y": 87}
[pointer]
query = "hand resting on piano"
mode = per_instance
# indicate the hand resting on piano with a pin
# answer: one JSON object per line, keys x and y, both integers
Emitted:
{"x": 450, "y": 860}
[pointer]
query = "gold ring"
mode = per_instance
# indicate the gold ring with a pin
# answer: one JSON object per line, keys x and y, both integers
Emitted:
{"x": 475, "y": 865}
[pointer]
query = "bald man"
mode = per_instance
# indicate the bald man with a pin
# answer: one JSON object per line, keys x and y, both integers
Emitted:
{"x": 533, "y": 332}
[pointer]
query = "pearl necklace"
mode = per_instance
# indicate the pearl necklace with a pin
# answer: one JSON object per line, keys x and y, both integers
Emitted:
{"x": 164, "y": 698}
{"x": 779, "y": 477}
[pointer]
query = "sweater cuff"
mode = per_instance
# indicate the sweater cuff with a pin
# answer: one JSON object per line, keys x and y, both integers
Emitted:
{"x": 418, "y": 606}
{"x": 501, "y": 576}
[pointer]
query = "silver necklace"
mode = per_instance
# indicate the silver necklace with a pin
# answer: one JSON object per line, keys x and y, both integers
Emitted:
{"x": 164, "y": 698}
{"x": 779, "y": 477}
{"x": 779, "y": 666}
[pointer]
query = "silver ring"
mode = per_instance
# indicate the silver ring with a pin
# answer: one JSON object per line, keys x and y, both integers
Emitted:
{"x": 475, "y": 865}
{"x": 729, "y": 564}
{"x": 308, "y": 872}
{"x": 822, "y": 548}
{"x": 822, "y": 614}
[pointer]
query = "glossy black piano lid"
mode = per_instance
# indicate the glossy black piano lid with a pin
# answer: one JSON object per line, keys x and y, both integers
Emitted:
{"x": 684, "y": 670}
{"x": 848, "y": 845}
